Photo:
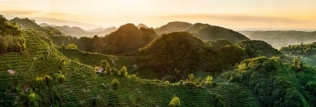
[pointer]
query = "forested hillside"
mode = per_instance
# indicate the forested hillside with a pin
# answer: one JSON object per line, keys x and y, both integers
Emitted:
{"x": 304, "y": 52}
{"x": 126, "y": 39}
{"x": 205, "y": 32}
{"x": 41, "y": 67}
{"x": 181, "y": 53}
{"x": 213, "y": 33}
{"x": 11, "y": 37}
{"x": 175, "y": 26}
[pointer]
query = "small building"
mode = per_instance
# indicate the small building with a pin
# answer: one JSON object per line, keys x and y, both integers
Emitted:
{"x": 12, "y": 72}
{"x": 100, "y": 70}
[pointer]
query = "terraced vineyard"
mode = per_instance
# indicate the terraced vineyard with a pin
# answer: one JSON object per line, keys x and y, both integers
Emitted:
{"x": 236, "y": 95}
{"x": 84, "y": 87}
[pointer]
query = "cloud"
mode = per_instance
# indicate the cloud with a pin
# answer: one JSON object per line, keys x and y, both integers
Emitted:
{"x": 19, "y": 12}
{"x": 245, "y": 21}
{"x": 235, "y": 18}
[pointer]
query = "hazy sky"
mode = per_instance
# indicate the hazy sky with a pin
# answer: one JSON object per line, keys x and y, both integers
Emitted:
{"x": 235, "y": 14}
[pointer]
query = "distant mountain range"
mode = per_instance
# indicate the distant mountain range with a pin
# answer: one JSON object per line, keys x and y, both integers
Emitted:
{"x": 79, "y": 32}
{"x": 59, "y": 22}
{"x": 280, "y": 39}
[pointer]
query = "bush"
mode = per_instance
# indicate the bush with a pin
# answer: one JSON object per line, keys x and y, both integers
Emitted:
{"x": 191, "y": 77}
{"x": 71, "y": 46}
{"x": 105, "y": 65}
{"x": 134, "y": 76}
{"x": 175, "y": 102}
{"x": 208, "y": 80}
{"x": 123, "y": 72}
{"x": 115, "y": 84}
{"x": 311, "y": 87}
{"x": 219, "y": 101}
{"x": 297, "y": 65}
{"x": 44, "y": 80}
{"x": 60, "y": 78}
{"x": 33, "y": 100}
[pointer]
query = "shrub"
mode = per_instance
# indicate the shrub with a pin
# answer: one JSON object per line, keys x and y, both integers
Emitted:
{"x": 33, "y": 100}
{"x": 115, "y": 84}
{"x": 60, "y": 78}
{"x": 104, "y": 64}
{"x": 311, "y": 87}
{"x": 297, "y": 64}
{"x": 133, "y": 76}
{"x": 219, "y": 101}
{"x": 191, "y": 77}
{"x": 175, "y": 102}
{"x": 208, "y": 80}
{"x": 123, "y": 71}
{"x": 71, "y": 46}
{"x": 76, "y": 60}
{"x": 45, "y": 80}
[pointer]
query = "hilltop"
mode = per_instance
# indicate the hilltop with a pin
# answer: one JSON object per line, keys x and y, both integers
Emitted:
{"x": 178, "y": 54}
{"x": 142, "y": 25}
{"x": 205, "y": 32}
{"x": 127, "y": 38}
{"x": 175, "y": 26}
{"x": 208, "y": 32}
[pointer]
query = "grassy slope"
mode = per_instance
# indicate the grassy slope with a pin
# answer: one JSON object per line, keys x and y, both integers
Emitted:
{"x": 95, "y": 58}
{"x": 82, "y": 84}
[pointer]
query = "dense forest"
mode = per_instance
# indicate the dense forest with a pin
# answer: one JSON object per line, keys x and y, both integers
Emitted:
{"x": 11, "y": 37}
{"x": 135, "y": 66}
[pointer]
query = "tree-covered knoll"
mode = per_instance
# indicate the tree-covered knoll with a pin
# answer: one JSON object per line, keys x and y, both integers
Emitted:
{"x": 11, "y": 37}
{"x": 127, "y": 38}
{"x": 213, "y": 33}
{"x": 256, "y": 48}
{"x": 186, "y": 53}
{"x": 270, "y": 81}
{"x": 302, "y": 49}
{"x": 175, "y": 26}
{"x": 306, "y": 52}
{"x": 205, "y": 32}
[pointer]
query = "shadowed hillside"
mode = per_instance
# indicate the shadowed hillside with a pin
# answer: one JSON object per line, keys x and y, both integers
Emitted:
{"x": 256, "y": 48}
{"x": 175, "y": 26}
{"x": 180, "y": 53}
{"x": 182, "y": 70}
{"x": 127, "y": 38}
{"x": 213, "y": 33}
{"x": 205, "y": 32}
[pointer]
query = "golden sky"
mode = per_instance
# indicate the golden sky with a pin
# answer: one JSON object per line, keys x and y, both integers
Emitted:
{"x": 235, "y": 14}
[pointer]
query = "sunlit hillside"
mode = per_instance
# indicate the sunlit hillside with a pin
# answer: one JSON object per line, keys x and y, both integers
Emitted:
{"x": 157, "y": 53}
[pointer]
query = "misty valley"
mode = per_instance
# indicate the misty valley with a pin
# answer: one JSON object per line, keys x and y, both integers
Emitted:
{"x": 177, "y": 64}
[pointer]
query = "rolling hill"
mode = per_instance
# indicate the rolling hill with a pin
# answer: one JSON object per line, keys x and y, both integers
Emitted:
{"x": 175, "y": 26}
{"x": 212, "y": 33}
{"x": 41, "y": 76}
{"x": 126, "y": 39}
{"x": 184, "y": 52}
{"x": 205, "y": 32}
